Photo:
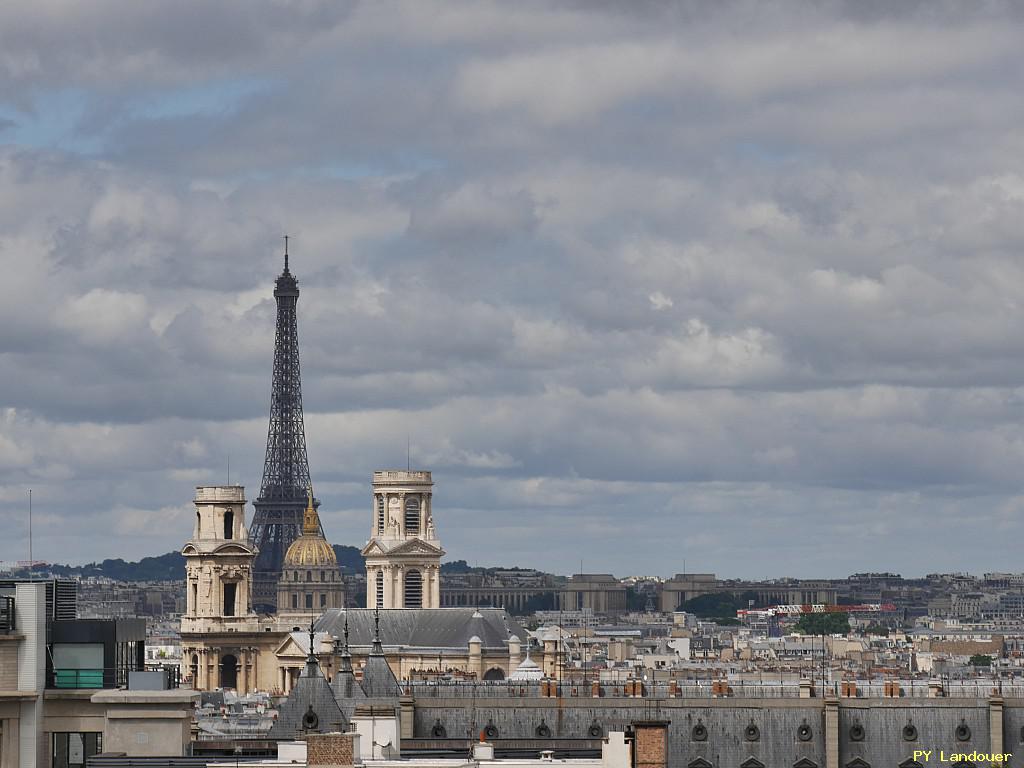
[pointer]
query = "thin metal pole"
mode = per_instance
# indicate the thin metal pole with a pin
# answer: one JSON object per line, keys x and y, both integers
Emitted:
{"x": 30, "y": 528}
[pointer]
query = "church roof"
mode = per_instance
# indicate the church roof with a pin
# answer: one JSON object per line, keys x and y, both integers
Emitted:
{"x": 347, "y": 689}
{"x": 435, "y": 628}
{"x": 379, "y": 681}
{"x": 309, "y": 708}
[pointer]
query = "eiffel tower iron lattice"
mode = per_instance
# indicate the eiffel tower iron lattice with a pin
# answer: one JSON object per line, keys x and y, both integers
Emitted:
{"x": 277, "y": 521}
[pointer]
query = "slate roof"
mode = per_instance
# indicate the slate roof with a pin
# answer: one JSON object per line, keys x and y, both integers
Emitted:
{"x": 347, "y": 690}
{"x": 435, "y": 628}
{"x": 311, "y": 694}
{"x": 379, "y": 681}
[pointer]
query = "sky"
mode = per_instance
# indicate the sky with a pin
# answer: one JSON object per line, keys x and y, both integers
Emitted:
{"x": 726, "y": 287}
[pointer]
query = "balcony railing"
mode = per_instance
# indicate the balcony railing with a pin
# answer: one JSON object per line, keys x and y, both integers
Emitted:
{"x": 6, "y": 615}
{"x": 81, "y": 678}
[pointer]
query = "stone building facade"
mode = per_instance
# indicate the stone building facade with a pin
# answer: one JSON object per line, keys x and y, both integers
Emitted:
{"x": 403, "y": 555}
{"x": 311, "y": 581}
{"x": 225, "y": 644}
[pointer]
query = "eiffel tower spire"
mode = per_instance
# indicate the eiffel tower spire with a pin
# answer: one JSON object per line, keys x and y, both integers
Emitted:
{"x": 282, "y": 501}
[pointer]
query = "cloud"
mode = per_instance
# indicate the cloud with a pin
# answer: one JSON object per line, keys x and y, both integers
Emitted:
{"x": 637, "y": 276}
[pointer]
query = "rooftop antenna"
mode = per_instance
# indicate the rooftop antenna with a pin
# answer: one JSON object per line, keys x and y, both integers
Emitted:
{"x": 286, "y": 253}
{"x": 30, "y": 527}
{"x": 408, "y": 453}
{"x": 229, "y": 469}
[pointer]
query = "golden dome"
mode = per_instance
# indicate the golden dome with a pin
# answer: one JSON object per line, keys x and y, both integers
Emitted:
{"x": 311, "y": 548}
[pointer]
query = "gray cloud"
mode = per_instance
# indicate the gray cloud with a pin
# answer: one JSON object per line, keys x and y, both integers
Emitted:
{"x": 637, "y": 278}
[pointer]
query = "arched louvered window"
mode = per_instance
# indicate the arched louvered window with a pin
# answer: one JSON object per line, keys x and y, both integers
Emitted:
{"x": 380, "y": 513}
{"x": 412, "y": 515}
{"x": 229, "y": 524}
{"x": 413, "y": 589}
{"x": 380, "y": 589}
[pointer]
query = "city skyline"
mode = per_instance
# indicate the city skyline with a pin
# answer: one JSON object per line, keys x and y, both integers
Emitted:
{"x": 725, "y": 285}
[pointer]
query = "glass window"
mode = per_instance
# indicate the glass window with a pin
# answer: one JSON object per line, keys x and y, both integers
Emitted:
{"x": 323, "y": 600}
{"x": 295, "y": 601}
{"x": 71, "y": 750}
{"x": 309, "y": 599}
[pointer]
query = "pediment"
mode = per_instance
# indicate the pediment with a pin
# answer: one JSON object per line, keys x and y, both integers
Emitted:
{"x": 699, "y": 762}
{"x": 189, "y": 549}
{"x": 372, "y": 548}
{"x": 416, "y": 547}
{"x": 233, "y": 548}
{"x": 804, "y": 762}
{"x": 752, "y": 762}
{"x": 290, "y": 649}
{"x": 910, "y": 763}
{"x": 858, "y": 763}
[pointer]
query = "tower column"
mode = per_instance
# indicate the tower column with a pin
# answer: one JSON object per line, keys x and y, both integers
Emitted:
{"x": 389, "y": 587}
{"x": 436, "y": 589}
{"x": 255, "y": 679}
{"x": 243, "y": 673}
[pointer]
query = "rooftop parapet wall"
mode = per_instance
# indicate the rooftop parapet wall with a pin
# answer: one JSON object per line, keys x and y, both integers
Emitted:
{"x": 214, "y": 494}
{"x": 729, "y": 731}
{"x": 401, "y": 477}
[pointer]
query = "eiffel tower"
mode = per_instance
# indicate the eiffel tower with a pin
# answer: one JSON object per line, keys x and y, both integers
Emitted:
{"x": 277, "y": 521}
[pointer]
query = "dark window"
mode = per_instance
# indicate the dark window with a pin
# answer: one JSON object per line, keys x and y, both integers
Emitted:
{"x": 295, "y": 601}
{"x": 412, "y": 515}
{"x": 322, "y": 577}
{"x": 71, "y": 750}
{"x": 229, "y": 598}
{"x": 413, "y": 589}
{"x": 229, "y": 524}
{"x": 380, "y": 589}
{"x": 309, "y": 575}
{"x": 323, "y": 600}
{"x": 229, "y": 671}
{"x": 309, "y": 599}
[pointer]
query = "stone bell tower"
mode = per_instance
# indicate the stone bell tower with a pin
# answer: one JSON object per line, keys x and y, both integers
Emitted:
{"x": 403, "y": 555}
{"x": 218, "y": 561}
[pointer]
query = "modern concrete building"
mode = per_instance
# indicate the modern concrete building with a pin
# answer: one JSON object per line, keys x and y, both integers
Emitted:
{"x": 59, "y": 700}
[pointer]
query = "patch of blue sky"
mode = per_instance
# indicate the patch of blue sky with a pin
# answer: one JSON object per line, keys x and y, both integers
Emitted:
{"x": 52, "y": 122}
{"x": 61, "y": 118}
{"x": 222, "y": 97}
{"x": 767, "y": 153}
{"x": 406, "y": 163}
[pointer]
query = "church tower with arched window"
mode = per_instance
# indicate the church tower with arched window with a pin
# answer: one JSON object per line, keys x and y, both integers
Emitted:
{"x": 218, "y": 561}
{"x": 403, "y": 555}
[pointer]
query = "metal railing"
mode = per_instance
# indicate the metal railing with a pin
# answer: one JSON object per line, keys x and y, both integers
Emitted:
{"x": 80, "y": 678}
{"x": 740, "y": 689}
{"x": 7, "y": 625}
